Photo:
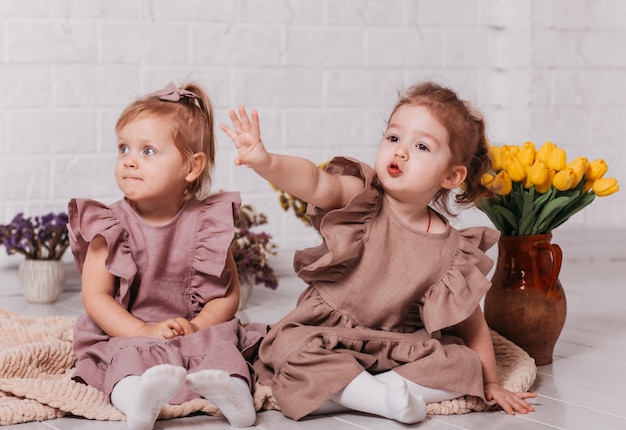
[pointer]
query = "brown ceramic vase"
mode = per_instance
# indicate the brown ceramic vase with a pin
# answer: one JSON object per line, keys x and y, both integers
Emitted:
{"x": 526, "y": 303}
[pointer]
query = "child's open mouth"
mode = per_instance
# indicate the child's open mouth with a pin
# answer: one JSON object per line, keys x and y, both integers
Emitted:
{"x": 394, "y": 170}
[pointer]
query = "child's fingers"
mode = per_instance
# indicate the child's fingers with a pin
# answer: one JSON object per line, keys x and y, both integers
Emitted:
{"x": 255, "y": 122}
{"x": 234, "y": 136}
{"x": 235, "y": 120}
{"x": 243, "y": 115}
{"x": 175, "y": 326}
{"x": 518, "y": 404}
{"x": 523, "y": 408}
{"x": 507, "y": 409}
{"x": 186, "y": 326}
{"x": 230, "y": 133}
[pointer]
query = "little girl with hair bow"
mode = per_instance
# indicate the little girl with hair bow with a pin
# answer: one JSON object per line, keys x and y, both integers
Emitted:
{"x": 159, "y": 282}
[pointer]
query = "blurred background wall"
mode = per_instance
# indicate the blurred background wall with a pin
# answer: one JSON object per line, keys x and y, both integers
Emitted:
{"x": 323, "y": 74}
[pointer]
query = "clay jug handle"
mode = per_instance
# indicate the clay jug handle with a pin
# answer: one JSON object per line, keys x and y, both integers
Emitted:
{"x": 557, "y": 259}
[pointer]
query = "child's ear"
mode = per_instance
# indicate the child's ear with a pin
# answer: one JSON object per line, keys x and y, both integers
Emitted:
{"x": 197, "y": 163}
{"x": 455, "y": 177}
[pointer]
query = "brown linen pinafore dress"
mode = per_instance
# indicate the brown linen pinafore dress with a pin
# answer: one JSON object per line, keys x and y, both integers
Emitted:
{"x": 163, "y": 272}
{"x": 380, "y": 297}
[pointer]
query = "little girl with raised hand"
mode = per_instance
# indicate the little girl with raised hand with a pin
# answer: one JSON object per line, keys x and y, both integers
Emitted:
{"x": 159, "y": 283}
{"x": 391, "y": 318}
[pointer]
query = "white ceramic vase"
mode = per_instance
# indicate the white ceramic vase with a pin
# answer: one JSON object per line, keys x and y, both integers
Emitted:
{"x": 42, "y": 280}
{"x": 245, "y": 289}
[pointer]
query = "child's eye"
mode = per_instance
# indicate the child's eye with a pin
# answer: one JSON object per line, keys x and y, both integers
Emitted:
{"x": 393, "y": 138}
{"x": 149, "y": 151}
{"x": 420, "y": 146}
{"x": 122, "y": 149}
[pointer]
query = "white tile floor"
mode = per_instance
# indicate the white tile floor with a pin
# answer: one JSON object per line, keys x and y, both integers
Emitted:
{"x": 584, "y": 388}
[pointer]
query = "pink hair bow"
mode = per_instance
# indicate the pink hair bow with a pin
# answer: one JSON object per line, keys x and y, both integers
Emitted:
{"x": 172, "y": 93}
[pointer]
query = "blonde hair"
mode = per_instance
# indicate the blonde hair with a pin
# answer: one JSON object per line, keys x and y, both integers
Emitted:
{"x": 191, "y": 124}
{"x": 467, "y": 140}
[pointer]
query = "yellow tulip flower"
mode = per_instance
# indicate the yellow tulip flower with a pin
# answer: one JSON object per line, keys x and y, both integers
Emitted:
{"x": 544, "y": 187}
{"x": 506, "y": 183}
{"x": 515, "y": 169}
{"x": 526, "y": 156}
{"x": 557, "y": 159}
{"x": 564, "y": 179}
{"x": 597, "y": 168}
{"x": 495, "y": 155}
{"x": 505, "y": 151}
{"x": 538, "y": 173}
{"x": 544, "y": 152}
{"x": 605, "y": 186}
{"x": 499, "y": 184}
{"x": 512, "y": 149}
{"x": 487, "y": 178}
{"x": 527, "y": 182}
{"x": 579, "y": 165}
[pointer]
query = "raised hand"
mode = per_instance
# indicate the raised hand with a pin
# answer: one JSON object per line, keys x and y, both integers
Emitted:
{"x": 246, "y": 135}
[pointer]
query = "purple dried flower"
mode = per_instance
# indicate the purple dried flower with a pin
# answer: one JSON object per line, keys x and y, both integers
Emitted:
{"x": 39, "y": 238}
{"x": 251, "y": 250}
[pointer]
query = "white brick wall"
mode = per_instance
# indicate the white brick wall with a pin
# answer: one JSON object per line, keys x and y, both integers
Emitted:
{"x": 323, "y": 74}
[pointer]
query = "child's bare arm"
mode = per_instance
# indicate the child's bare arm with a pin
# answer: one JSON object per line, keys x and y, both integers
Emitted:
{"x": 294, "y": 175}
{"x": 98, "y": 289}
{"x": 476, "y": 334}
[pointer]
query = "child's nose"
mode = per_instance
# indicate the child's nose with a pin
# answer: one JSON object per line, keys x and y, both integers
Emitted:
{"x": 130, "y": 162}
{"x": 400, "y": 153}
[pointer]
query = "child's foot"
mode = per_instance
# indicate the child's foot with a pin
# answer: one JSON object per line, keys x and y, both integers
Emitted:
{"x": 230, "y": 394}
{"x": 158, "y": 384}
{"x": 402, "y": 405}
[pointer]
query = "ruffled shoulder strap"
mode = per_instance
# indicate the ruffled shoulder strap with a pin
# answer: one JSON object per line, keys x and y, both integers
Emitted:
{"x": 342, "y": 229}
{"x": 89, "y": 218}
{"x": 215, "y": 232}
{"x": 455, "y": 296}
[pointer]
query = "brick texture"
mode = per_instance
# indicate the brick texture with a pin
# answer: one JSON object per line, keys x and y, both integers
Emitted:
{"x": 322, "y": 73}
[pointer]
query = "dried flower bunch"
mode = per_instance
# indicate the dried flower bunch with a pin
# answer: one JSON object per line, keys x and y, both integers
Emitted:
{"x": 37, "y": 238}
{"x": 287, "y": 201}
{"x": 537, "y": 190}
{"x": 252, "y": 250}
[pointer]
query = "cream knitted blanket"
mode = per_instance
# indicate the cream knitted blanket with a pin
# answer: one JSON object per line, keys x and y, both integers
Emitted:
{"x": 36, "y": 365}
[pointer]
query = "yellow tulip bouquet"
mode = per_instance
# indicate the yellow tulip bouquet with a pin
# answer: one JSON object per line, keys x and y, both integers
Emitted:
{"x": 537, "y": 190}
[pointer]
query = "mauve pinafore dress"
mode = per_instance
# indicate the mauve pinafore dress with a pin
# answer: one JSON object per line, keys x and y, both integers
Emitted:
{"x": 162, "y": 272}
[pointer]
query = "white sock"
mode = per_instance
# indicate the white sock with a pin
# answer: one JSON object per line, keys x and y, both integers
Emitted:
{"x": 141, "y": 398}
{"x": 230, "y": 394}
{"x": 430, "y": 395}
{"x": 391, "y": 400}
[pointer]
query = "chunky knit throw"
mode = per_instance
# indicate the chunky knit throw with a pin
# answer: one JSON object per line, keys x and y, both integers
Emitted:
{"x": 37, "y": 362}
